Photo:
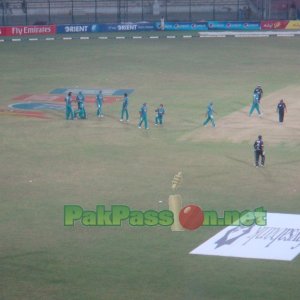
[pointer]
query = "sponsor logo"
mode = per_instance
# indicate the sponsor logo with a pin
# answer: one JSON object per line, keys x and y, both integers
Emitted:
{"x": 279, "y": 239}
{"x": 30, "y": 30}
{"x": 277, "y": 25}
{"x": 183, "y": 26}
{"x": 269, "y": 25}
{"x": 293, "y": 25}
{"x": 234, "y": 25}
{"x": 127, "y": 27}
{"x": 94, "y": 28}
{"x": 76, "y": 28}
{"x": 37, "y": 106}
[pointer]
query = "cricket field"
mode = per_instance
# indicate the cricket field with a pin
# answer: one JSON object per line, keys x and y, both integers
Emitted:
{"x": 47, "y": 163}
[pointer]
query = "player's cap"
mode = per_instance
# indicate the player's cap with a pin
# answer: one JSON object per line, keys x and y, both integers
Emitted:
{"x": 259, "y": 137}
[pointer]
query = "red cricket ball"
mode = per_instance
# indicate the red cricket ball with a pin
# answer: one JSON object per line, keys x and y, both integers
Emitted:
{"x": 191, "y": 217}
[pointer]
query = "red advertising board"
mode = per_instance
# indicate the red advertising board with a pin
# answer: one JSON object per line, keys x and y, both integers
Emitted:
{"x": 28, "y": 30}
{"x": 273, "y": 25}
{"x": 2, "y": 31}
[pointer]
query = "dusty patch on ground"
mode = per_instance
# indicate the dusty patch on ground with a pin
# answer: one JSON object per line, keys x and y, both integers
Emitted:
{"x": 238, "y": 127}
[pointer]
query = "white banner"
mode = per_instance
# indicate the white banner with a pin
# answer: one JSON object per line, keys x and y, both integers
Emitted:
{"x": 278, "y": 240}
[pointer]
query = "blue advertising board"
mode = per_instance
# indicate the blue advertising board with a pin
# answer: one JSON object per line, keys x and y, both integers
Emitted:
{"x": 114, "y": 27}
{"x": 187, "y": 26}
{"x": 216, "y": 25}
{"x": 149, "y": 26}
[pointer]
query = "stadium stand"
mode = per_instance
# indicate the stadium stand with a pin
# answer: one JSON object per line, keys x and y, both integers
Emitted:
{"x": 21, "y": 12}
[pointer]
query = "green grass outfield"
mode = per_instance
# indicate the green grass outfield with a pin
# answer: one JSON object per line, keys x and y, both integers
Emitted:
{"x": 46, "y": 164}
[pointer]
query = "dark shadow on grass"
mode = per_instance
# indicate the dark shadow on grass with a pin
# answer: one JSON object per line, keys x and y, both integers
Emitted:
{"x": 238, "y": 160}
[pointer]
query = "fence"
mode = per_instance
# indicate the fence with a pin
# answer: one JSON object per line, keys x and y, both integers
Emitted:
{"x": 40, "y": 12}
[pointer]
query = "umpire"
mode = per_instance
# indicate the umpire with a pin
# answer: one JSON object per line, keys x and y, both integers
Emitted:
{"x": 259, "y": 152}
{"x": 281, "y": 109}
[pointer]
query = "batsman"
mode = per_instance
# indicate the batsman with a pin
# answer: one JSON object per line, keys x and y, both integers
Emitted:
{"x": 259, "y": 152}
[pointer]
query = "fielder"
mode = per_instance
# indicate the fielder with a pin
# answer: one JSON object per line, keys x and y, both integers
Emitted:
{"x": 143, "y": 116}
{"x": 160, "y": 111}
{"x": 80, "y": 102}
{"x": 255, "y": 105}
{"x": 210, "y": 115}
{"x": 99, "y": 102}
{"x": 259, "y": 91}
{"x": 80, "y": 112}
{"x": 125, "y": 108}
{"x": 259, "y": 152}
{"x": 69, "y": 109}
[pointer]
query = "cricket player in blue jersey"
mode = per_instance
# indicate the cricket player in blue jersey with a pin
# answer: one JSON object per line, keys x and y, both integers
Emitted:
{"x": 81, "y": 107}
{"x": 259, "y": 91}
{"x": 69, "y": 109}
{"x": 99, "y": 102}
{"x": 255, "y": 105}
{"x": 80, "y": 112}
{"x": 210, "y": 115}
{"x": 160, "y": 111}
{"x": 125, "y": 108}
{"x": 143, "y": 116}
